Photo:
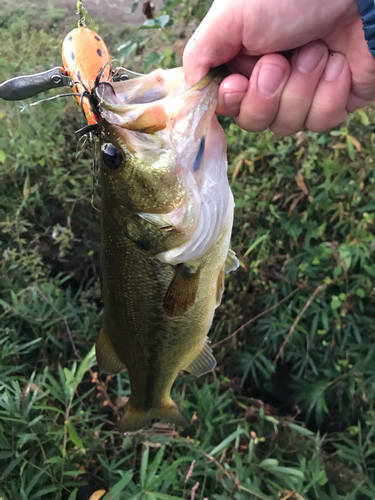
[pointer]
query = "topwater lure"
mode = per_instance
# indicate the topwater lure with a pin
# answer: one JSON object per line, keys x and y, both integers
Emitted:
{"x": 86, "y": 62}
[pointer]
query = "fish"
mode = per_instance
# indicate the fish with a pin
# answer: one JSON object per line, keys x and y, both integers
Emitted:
{"x": 166, "y": 222}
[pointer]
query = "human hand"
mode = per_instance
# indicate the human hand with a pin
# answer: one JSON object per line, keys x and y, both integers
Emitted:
{"x": 330, "y": 71}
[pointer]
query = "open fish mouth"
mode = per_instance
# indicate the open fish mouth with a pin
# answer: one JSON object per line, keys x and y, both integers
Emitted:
{"x": 160, "y": 122}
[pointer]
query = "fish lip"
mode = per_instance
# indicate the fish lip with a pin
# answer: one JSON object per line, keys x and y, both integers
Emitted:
{"x": 215, "y": 74}
{"x": 218, "y": 73}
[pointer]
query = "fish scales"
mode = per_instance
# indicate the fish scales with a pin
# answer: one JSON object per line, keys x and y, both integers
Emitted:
{"x": 166, "y": 218}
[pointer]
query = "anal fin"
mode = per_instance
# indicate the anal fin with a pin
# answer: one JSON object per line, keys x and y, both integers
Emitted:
{"x": 182, "y": 291}
{"x": 231, "y": 262}
{"x": 203, "y": 363}
{"x": 106, "y": 356}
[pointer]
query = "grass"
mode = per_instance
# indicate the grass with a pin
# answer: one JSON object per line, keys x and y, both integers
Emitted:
{"x": 289, "y": 411}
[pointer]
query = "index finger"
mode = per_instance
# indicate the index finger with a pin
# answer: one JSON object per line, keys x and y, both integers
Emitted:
{"x": 216, "y": 41}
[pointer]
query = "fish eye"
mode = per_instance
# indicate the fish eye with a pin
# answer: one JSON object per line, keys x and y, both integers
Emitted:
{"x": 112, "y": 156}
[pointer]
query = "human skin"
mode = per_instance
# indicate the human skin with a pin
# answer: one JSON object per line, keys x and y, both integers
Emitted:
{"x": 327, "y": 73}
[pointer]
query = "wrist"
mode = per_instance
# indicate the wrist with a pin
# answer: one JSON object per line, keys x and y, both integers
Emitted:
{"x": 367, "y": 12}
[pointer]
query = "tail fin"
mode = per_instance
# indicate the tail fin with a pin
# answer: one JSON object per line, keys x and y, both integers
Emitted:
{"x": 134, "y": 419}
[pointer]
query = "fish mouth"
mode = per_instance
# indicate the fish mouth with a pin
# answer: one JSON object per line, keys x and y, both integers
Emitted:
{"x": 160, "y": 88}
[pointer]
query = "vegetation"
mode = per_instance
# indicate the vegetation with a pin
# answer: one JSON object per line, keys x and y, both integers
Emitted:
{"x": 289, "y": 412}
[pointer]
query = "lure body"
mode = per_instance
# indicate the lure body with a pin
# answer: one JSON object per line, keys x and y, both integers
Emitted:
{"x": 87, "y": 61}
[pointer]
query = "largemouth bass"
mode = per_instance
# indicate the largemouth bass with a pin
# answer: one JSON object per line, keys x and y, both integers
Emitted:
{"x": 166, "y": 217}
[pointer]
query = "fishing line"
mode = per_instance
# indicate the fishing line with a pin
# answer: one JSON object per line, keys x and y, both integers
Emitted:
{"x": 83, "y": 13}
{"x": 22, "y": 108}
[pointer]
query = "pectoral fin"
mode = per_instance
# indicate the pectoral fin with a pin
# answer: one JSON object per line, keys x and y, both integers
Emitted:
{"x": 203, "y": 363}
{"x": 106, "y": 356}
{"x": 220, "y": 286}
{"x": 159, "y": 220}
{"x": 182, "y": 291}
{"x": 231, "y": 262}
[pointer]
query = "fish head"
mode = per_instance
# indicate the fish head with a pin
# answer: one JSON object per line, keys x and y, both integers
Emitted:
{"x": 164, "y": 154}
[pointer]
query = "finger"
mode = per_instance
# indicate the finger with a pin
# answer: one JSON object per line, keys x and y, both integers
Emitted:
{"x": 355, "y": 102}
{"x": 231, "y": 92}
{"x": 328, "y": 108}
{"x": 210, "y": 46}
{"x": 307, "y": 66}
{"x": 260, "y": 104}
{"x": 242, "y": 64}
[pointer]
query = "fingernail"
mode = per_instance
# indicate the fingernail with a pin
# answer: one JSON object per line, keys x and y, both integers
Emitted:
{"x": 309, "y": 57}
{"x": 334, "y": 67}
{"x": 233, "y": 100}
{"x": 269, "y": 79}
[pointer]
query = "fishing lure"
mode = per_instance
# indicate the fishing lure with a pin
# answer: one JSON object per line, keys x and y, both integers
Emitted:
{"x": 23, "y": 87}
{"x": 86, "y": 63}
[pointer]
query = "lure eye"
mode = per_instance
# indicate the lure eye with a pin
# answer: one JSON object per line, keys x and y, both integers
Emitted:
{"x": 112, "y": 157}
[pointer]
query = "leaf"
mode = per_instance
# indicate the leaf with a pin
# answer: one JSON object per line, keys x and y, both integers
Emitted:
{"x": 155, "y": 464}
{"x": 13, "y": 465}
{"x": 163, "y": 496}
{"x": 135, "y": 5}
{"x": 289, "y": 471}
{"x": 360, "y": 292}
{"x": 163, "y": 20}
{"x": 2, "y": 156}
{"x": 350, "y": 146}
{"x": 301, "y": 183}
{"x": 121, "y": 484}
{"x": 73, "y": 435}
{"x": 73, "y": 494}
{"x": 126, "y": 49}
{"x": 236, "y": 170}
{"x": 88, "y": 362}
{"x": 226, "y": 442}
{"x": 144, "y": 464}
{"x": 269, "y": 463}
{"x": 149, "y": 23}
{"x": 363, "y": 117}
{"x": 335, "y": 303}
{"x": 300, "y": 429}
{"x": 152, "y": 59}
{"x": 370, "y": 270}
{"x": 294, "y": 204}
{"x": 256, "y": 243}
{"x": 355, "y": 142}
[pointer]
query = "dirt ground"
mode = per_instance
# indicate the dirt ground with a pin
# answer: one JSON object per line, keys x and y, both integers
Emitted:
{"x": 117, "y": 12}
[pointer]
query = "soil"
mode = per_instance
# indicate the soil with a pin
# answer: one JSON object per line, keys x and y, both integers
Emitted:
{"x": 117, "y": 12}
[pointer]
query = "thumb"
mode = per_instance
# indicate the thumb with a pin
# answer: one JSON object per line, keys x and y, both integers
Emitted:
{"x": 216, "y": 41}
